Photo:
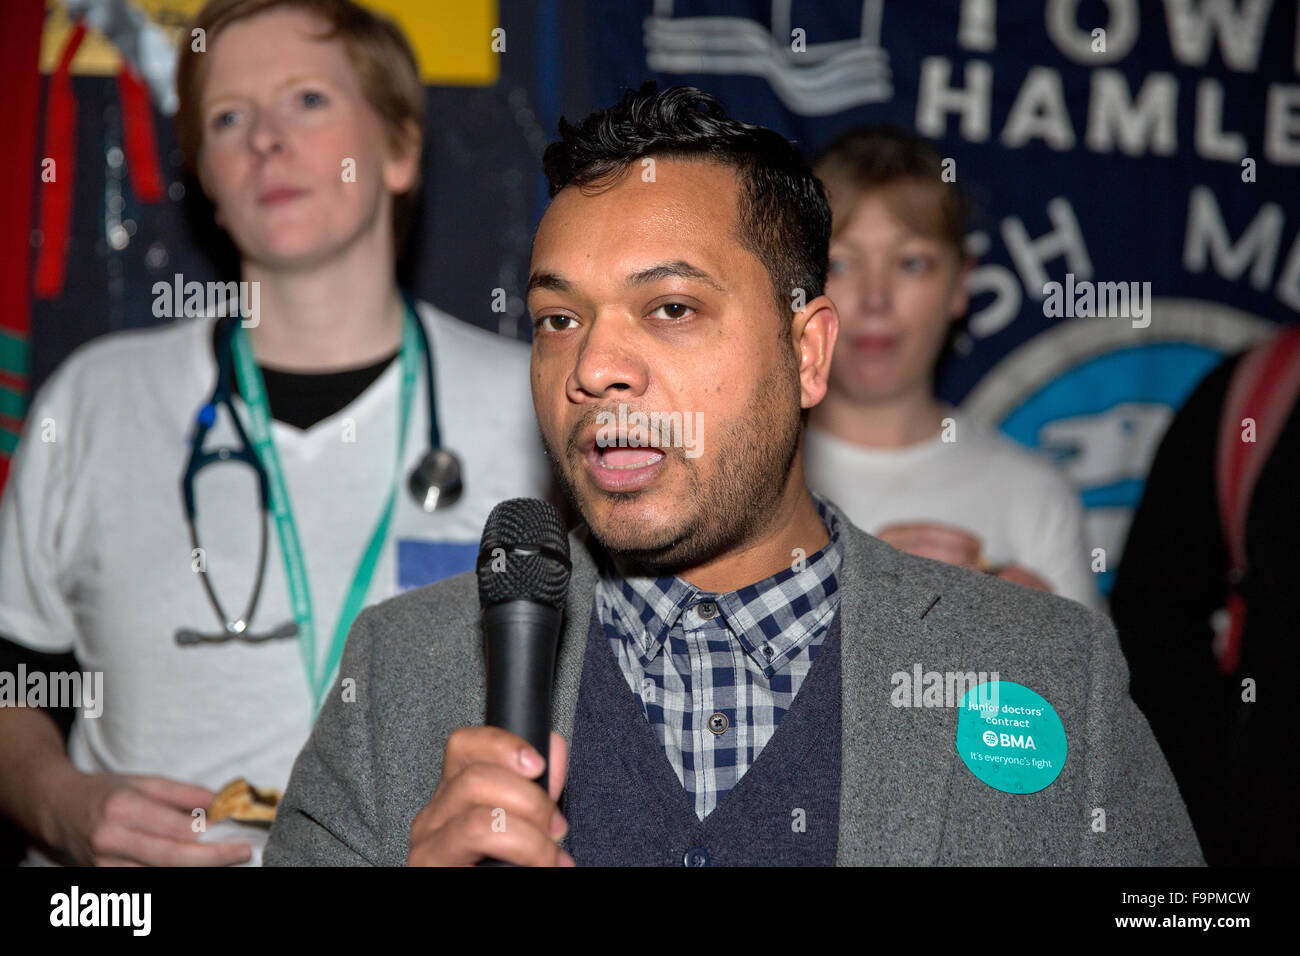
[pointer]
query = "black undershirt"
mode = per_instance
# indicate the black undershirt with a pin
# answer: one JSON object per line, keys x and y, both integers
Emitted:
{"x": 302, "y": 399}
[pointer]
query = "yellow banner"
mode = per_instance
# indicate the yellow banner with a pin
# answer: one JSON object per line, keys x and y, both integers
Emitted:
{"x": 453, "y": 39}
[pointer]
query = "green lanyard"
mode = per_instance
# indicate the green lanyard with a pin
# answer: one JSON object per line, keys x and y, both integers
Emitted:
{"x": 295, "y": 570}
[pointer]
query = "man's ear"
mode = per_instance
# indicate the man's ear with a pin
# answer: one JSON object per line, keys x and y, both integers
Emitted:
{"x": 813, "y": 333}
{"x": 402, "y": 164}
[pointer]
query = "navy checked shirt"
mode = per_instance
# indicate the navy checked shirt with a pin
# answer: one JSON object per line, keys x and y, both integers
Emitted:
{"x": 715, "y": 673}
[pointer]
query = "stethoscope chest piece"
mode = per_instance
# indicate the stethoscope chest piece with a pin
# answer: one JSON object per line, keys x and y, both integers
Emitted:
{"x": 435, "y": 482}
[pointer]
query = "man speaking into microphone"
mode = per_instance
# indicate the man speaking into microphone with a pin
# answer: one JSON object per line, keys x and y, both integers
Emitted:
{"x": 743, "y": 677}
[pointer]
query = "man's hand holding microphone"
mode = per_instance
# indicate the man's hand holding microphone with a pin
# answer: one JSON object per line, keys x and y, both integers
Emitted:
{"x": 490, "y": 805}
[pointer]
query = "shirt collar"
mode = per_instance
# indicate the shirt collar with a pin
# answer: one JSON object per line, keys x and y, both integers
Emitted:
{"x": 773, "y": 619}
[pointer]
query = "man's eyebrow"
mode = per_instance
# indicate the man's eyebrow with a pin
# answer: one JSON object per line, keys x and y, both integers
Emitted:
{"x": 674, "y": 269}
{"x": 548, "y": 280}
{"x": 677, "y": 268}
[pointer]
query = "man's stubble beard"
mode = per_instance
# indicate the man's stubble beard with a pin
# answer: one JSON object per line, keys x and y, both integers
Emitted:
{"x": 752, "y": 459}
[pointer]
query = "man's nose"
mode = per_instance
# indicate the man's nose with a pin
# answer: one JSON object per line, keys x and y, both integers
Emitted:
{"x": 608, "y": 361}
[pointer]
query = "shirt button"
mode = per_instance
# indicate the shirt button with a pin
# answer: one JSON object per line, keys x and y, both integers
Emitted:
{"x": 718, "y": 724}
{"x": 696, "y": 856}
{"x": 767, "y": 651}
{"x": 706, "y": 610}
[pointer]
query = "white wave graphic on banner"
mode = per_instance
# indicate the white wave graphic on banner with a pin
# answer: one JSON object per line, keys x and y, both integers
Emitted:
{"x": 817, "y": 80}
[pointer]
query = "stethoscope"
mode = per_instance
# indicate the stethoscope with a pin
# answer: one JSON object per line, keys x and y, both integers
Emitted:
{"x": 434, "y": 483}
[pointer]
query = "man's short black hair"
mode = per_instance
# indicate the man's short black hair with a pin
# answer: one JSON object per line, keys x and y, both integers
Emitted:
{"x": 783, "y": 216}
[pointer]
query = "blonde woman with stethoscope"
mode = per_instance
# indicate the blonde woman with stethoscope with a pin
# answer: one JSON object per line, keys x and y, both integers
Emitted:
{"x": 225, "y": 495}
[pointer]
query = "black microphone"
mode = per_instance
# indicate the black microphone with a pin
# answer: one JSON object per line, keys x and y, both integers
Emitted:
{"x": 523, "y": 578}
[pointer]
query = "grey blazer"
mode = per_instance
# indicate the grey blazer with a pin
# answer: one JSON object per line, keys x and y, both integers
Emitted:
{"x": 413, "y": 671}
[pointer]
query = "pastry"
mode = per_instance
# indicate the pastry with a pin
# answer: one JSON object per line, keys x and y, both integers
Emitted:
{"x": 238, "y": 800}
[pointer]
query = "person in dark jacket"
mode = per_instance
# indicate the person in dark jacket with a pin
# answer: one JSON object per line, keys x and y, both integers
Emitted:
{"x": 1227, "y": 735}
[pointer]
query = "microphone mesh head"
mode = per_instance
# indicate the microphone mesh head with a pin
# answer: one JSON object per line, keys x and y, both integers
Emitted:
{"x": 524, "y": 554}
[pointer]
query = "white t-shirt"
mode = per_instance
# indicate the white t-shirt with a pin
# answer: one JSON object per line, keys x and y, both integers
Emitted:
{"x": 95, "y": 555}
{"x": 1022, "y": 508}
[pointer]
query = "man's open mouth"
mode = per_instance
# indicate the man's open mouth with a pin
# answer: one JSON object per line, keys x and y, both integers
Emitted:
{"x": 618, "y": 469}
{"x": 622, "y": 459}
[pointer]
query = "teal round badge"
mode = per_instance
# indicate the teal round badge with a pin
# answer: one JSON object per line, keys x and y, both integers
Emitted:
{"x": 1010, "y": 737}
